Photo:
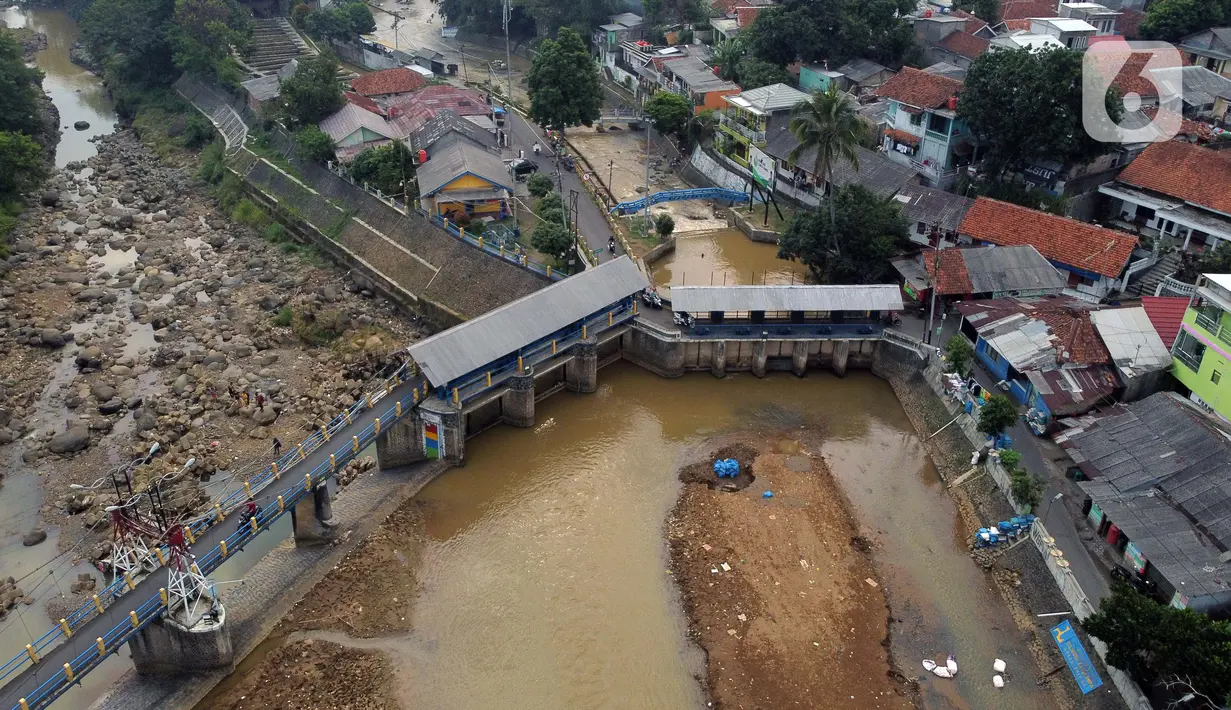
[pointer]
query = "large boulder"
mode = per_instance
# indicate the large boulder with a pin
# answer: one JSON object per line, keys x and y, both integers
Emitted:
{"x": 34, "y": 537}
{"x": 102, "y": 391}
{"x": 110, "y": 407}
{"x": 75, "y": 439}
{"x": 264, "y": 416}
{"x": 51, "y": 338}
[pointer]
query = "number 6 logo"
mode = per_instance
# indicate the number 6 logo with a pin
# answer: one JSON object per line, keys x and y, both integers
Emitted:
{"x": 1103, "y": 62}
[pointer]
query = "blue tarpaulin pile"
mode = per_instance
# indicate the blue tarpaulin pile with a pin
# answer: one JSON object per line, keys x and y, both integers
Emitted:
{"x": 726, "y": 468}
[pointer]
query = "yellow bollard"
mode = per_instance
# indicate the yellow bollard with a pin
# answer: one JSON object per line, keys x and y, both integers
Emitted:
{"x": 553, "y": 347}
{"x": 307, "y": 482}
{"x": 24, "y": 705}
{"x": 68, "y": 632}
{"x": 162, "y": 594}
{"x": 188, "y": 534}
{"x": 523, "y": 259}
{"x": 132, "y": 616}
{"x": 501, "y": 251}
{"x": 128, "y": 579}
{"x": 299, "y": 448}
{"x": 398, "y": 407}
{"x": 367, "y": 401}
{"x": 325, "y": 433}
{"x": 281, "y": 504}
{"x": 446, "y": 223}
{"x": 414, "y": 396}
{"x": 162, "y": 559}
{"x": 583, "y": 331}
{"x": 252, "y": 523}
{"x": 376, "y": 426}
{"x": 520, "y": 365}
{"x": 456, "y": 396}
{"x": 489, "y": 378}
{"x": 195, "y": 568}
{"x": 218, "y": 509}
{"x": 68, "y": 672}
{"x": 98, "y": 604}
{"x": 348, "y": 416}
{"x": 461, "y": 232}
{"x": 354, "y": 444}
{"x": 388, "y": 388}
{"x": 610, "y": 316}
{"x": 333, "y": 463}
{"x": 634, "y": 308}
{"x": 549, "y": 271}
{"x": 102, "y": 647}
{"x": 223, "y": 547}
{"x": 247, "y": 488}
{"x": 276, "y": 473}
{"x": 30, "y": 652}
{"x": 425, "y": 389}
{"x": 480, "y": 242}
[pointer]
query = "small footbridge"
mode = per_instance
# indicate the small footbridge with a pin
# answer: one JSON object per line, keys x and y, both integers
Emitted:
{"x": 697, "y": 193}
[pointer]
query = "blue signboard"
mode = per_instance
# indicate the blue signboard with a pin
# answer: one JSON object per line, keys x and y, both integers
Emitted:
{"x": 1075, "y": 655}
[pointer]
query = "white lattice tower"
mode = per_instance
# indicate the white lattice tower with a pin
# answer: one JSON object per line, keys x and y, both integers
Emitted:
{"x": 130, "y": 553}
{"x": 186, "y": 585}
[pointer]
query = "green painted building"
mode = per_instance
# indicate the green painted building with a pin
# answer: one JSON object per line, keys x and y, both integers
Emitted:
{"x": 1201, "y": 355}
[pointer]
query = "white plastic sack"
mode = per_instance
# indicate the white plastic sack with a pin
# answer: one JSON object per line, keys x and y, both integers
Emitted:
{"x": 941, "y": 671}
{"x": 999, "y": 665}
{"x": 951, "y": 664}
{"x": 998, "y": 681}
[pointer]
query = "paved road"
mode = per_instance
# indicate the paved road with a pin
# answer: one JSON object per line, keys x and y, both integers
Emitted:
{"x": 590, "y": 220}
{"x": 83, "y": 638}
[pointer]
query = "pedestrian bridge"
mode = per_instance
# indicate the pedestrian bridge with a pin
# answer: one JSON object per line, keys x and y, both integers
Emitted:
{"x": 449, "y": 387}
{"x": 697, "y": 193}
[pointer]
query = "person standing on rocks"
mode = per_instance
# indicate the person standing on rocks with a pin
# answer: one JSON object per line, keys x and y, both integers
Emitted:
{"x": 260, "y": 400}
{"x": 277, "y": 447}
{"x": 243, "y": 398}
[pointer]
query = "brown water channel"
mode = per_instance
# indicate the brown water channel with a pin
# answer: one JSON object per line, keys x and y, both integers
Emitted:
{"x": 544, "y": 582}
{"x": 724, "y": 256}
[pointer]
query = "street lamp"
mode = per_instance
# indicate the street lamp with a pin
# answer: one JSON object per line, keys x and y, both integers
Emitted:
{"x": 1051, "y": 500}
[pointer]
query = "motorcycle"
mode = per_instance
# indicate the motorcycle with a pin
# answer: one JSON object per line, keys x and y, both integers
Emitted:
{"x": 651, "y": 299}
{"x": 893, "y": 319}
{"x": 568, "y": 163}
{"x": 611, "y": 247}
{"x": 683, "y": 318}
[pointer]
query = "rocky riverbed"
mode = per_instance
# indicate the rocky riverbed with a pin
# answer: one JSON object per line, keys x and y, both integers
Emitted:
{"x": 132, "y": 312}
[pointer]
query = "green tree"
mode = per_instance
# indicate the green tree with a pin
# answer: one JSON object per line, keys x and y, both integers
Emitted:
{"x": 1151, "y": 641}
{"x": 755, "y": 73}
{"x": 664, "y": 224}
{"x": 389, "y": 168}
{"x": 1027, "y": 488}
{"x": 997, "y": 415}
{"x": 1024, "y": 104}
{"x": 1216, "y": 260}
{"x": 313, "y": 92}
{"x": 20, "y": 88}
{"x": 358, "y": 17}
{"x": 986, "y": 10}
{"x": 834, "y": 30}
{"x": 564, "y": 85}
{"x": 959, "y": 354}
{"x": 134, "y": 36}
{"x": 726, "y": 58}
{"x": 539, "y": 184}
{"x": 830, "y": 125}
{"x": 203, "y": 31}
{"x": 669, "y": 111}
{"x": 1171, "y": 20}
{"x": 24, "y": 165}
{"x": 854, "y": 244}
{"x": 552, "y": 239}
{"x": 311, "y": 143}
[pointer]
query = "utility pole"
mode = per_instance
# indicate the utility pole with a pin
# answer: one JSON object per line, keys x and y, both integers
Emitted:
{"x": 649, "y": 134}
{"x": 934, "y": 281}
{"x": 396, "y": 20}
{"x": 508, "y": 56}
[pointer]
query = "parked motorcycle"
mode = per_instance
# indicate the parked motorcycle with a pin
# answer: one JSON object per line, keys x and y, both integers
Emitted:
{"x": 683, "y": 318}
{"x": 651, "y": 298}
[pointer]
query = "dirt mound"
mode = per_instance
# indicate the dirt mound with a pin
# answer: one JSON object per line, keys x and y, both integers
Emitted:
{"x": 703, "y": 471}
{"x": 315, "y": 674}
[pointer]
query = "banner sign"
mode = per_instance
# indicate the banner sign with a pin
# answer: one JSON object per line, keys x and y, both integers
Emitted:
{"x": 762, "y": 165}
{"x": 1076, "y": 657}
{"x": 433, "y": 437}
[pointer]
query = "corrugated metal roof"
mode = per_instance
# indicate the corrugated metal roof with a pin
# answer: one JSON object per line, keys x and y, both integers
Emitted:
{"x": 878, "y": 173}
{"x": 1015, "y": 268}
{"x": 458, "y": 159}
{"x": 927, "y": 204}
{"x": 729, "y": 299}
{"x": 472, "y": 345}
{"x": 351, "y": 118}
{"x": 767, "y": 99}
{"x": 1131, "y": 339}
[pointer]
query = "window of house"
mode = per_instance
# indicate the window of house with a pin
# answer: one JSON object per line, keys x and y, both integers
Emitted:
{"x": 1145, "y": 213}
{"x": 1216, "y": 377}
{"x": 916, "y": 119}
{"x": 921, "y": 227}
{"x": 993, "y": 355}
{"x": 938, "y": 124}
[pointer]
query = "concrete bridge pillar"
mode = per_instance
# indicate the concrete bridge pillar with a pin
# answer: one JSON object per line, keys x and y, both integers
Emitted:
{"x": 401, "y": 444}
{"x": 312, "y": 518}
{"x": 799, "y": 358}
{"x": 165, "y": 647}
{"x": 581, "y": 375}
{"x": 759, "y": 357}
{"x": 517, "y": 407}
{"x": 841, "y": 352}
{"x": 718, "y": 360}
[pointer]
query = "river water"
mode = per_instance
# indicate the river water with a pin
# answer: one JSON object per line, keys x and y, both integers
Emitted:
{"x": 544, "y": 582}
{"x": 725, "y": 257}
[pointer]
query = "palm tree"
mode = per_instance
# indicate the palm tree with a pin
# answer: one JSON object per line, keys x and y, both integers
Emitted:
{"x": 726, "y": 56}
{"x": 830, "y": 124}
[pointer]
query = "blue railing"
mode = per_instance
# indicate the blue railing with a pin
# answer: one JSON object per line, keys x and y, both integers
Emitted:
{"x": 756, "y": 331}
{"x": 562, "y": 339}
{"x": 153, "y": 607}
{"x": 698, "y": 193}
{"x": 235, "y": 499}
{"x": 495, "y": 250}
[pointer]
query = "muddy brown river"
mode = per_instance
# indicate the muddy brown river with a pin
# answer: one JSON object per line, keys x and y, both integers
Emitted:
{"x": 544, "y": 582}
{"x": 725, "y": 257}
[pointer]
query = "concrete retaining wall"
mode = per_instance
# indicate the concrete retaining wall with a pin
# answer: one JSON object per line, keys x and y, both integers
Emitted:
{"x": 659, "y": 251}
{"x": 748, "y": 225}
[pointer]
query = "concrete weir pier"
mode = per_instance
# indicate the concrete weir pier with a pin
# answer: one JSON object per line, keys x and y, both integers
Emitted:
{"x": 167, "y": 647}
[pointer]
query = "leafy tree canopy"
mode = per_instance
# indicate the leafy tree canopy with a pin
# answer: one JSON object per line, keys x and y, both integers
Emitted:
{"x": 669, "y": 12}
{"x": 539, "y": 184}
{"x": 24, "y": 164}
{"x": 387, "y": 168}
{"x": 342, "y": 22}
{"x": 997, "y": 415}
{"x": 669, "y": 111}
{"x": 960, "y": 354}
{"x": 1170, "y": 20}
{"x": 20, "y": 87}
{"x": 726, "y": 58}
{"x": 313, "y": 92}
{"x": 834, "y": 30}
{"x": 856, "y": 246}
{"x": 311, "y": 143}
{"x": 564, "y": 85}
{"x": 829, "y": 125}
{"x": 552, "y": 239}
{"x": 755, "y": 73}
{"x": 986, "y": 10}
{"x": 1026, "y": 104}
{"x": 1152, "y": 641}
{"x": 1216, "y": 260}
{"x": 664, "y": 224}
{"x": 203, "y": 32}
{"x": 134, "y": 36}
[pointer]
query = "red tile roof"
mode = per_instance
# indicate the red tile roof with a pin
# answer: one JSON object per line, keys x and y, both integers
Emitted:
{"x": 953, "y": 278}
{"x": 1128, "y": 22}
{"x": 903, "y": 137}
{"x": 964, "y": 44}
{"x": 1203, "y": 132}
{"x": 919, "y": 88}
{"x": 973, "y": 24}
{"x": 1185, "y": 171}
{"x": 1025, "y": 9}
{"x": 1014, "y": 25}
{"x": 745, "y": 16}
{"x": 1059, "y": 239}
{"x": 1165, "y": 314}
{"x": 363, "y": 102}
{"x": 1072, "y": 332}
{"x": 399, "y": 80}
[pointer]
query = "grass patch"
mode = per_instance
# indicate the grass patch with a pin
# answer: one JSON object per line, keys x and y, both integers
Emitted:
{"x": 9, "y": 212}
{"x": 316, "y": 328}
{"x": 284, "y": 317}
{"x": 212, "y": 166}
{"x": 333, "y": 230}
{"x": 276, "y": 233}
{"x": 246, "y": 212}
{"x": 261, "y": 143}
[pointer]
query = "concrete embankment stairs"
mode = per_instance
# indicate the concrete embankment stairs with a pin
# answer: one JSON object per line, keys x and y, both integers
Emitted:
{"x": 217, "y": 109}
{"x": 274, "y": 43}
{"x": 1147, "y": 282}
